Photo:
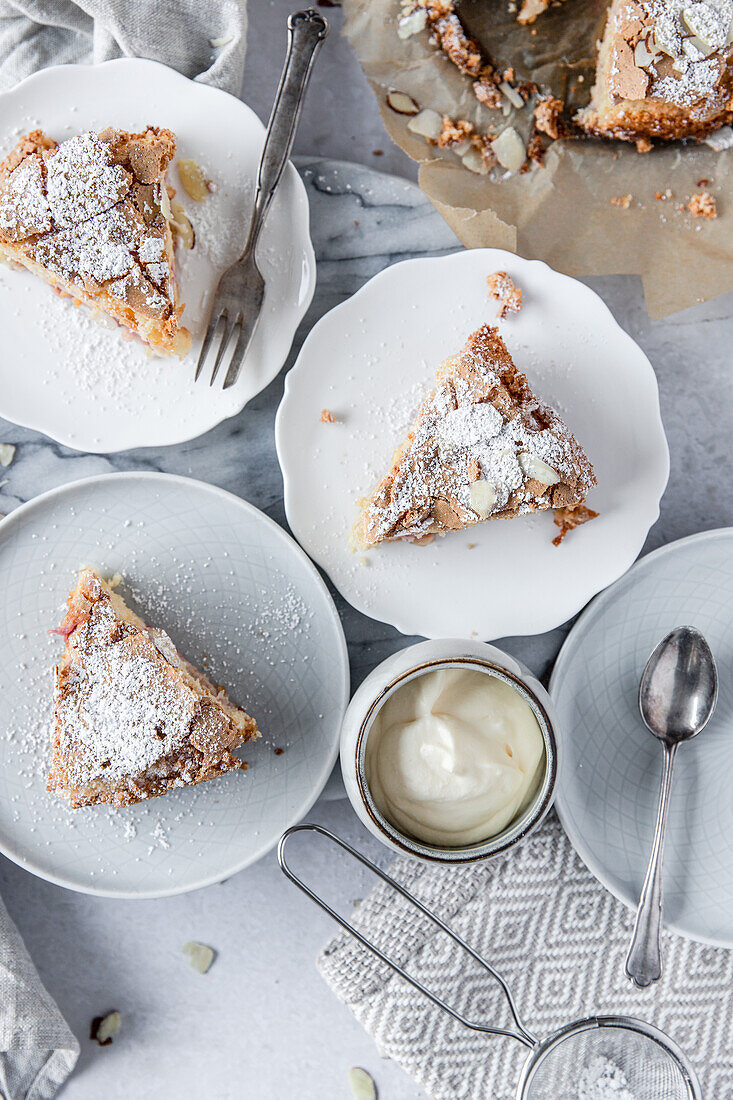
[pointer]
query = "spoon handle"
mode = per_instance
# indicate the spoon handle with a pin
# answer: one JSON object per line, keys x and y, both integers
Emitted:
{"x": 644, "y": 960}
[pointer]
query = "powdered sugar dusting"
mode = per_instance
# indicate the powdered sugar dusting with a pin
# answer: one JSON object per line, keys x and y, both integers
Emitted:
{"x": 82, "y": 180}
{"x": 460, "y": 437}
{"x": 697, "y": 65}
{"x": 118, "y": 715}
{"x": 602, "y": 1079}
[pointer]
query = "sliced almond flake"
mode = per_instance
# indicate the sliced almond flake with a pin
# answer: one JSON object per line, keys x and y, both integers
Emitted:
{"x": 7, "y": 453}
{"x": 483, "y": 497}
{"x": 199, "y": 955}
{"x": 512, "y": 95}
{"x": 402, "y": 103}
{"x": 509, "y": 149}
{"x": 428, "y": 123}
{"x": 532, "y": 466}
{"x": 474, "y": 162}
{"x": 412, "y": 23}
{"x": 181, "y": 224}
{"x": 217, "y": 42}
{"x": 362, "y": 1084}
{"x": 104, "y": 1028}
{"x": 194, "y": 182}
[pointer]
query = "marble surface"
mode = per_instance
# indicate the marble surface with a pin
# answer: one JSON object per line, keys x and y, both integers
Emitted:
{"x": 262, "y": 1024}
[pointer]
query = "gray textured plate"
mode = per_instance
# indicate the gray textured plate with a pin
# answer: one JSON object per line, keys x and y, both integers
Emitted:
{"x": 611, "y": 768}
{"x": 236, "y": 594}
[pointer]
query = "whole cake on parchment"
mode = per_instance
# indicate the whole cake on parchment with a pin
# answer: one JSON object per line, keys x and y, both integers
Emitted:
{"x": 664, "y": 68}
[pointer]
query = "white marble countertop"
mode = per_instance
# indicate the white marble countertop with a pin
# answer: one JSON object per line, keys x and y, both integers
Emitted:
{"x": 262, "y": 1024}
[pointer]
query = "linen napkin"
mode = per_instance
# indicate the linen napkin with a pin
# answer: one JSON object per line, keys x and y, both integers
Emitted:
{"x": 557, "y": 937}
{"x": 203, "y": 39}
{"x": 37, "y": 1049}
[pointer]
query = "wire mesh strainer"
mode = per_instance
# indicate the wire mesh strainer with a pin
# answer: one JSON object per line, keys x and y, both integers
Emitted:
{"x": 565, "y": 1065}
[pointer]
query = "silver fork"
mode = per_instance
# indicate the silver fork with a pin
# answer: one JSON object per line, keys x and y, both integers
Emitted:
{"x": 239, "y": 296}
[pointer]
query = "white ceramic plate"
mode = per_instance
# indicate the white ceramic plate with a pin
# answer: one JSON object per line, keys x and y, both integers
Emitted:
{"x": 369, "y": 360}
{"x": 224, "y": 581}
{"x": 64, "y": 373}
{"x": 611, "y": 765}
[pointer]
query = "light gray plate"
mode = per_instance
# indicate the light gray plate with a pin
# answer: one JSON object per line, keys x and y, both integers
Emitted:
{"x": 239, "y": 597}
{"x": 609, "y": 781}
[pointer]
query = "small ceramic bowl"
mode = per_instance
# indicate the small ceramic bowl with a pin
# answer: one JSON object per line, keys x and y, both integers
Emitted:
{"x": 392, "y": 674}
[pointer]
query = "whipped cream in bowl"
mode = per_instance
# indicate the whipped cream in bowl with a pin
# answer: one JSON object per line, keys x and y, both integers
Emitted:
{"x": 449, "y": 751}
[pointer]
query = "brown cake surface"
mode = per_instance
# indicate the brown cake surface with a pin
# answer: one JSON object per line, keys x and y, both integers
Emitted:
{"x": 91, "y": 216}
{"x": 132, "y": 718}
{"x": 481, "y": 447}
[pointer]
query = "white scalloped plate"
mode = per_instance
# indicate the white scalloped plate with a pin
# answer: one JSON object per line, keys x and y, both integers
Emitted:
{"x": 239, "y": 597}
{"x": 65, "y": 374}
{"x": 369, "y": 359}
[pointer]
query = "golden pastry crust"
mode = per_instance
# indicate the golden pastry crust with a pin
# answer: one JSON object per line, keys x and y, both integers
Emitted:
{"x": 133, "y": 719}
{"x": 482, "y": 447}
{"x": 91, "y": 217}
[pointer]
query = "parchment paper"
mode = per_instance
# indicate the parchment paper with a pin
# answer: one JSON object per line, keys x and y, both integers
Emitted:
{"x": 561, "y": 213}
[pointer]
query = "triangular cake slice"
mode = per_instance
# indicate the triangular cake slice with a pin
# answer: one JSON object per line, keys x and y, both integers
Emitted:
{"x": 133, "y": 719}
{"x": 92, "y": 217}
{"x": 481, "y": 447}
{"x": 664, "y": 70}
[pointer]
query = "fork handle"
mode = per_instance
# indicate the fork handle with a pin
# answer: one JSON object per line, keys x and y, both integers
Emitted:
{"x": 306, "y": 32}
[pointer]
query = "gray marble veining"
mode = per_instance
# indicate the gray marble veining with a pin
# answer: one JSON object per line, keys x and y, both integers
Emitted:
{"x": 362, "y": 221}
{"x": 98, "y": 954}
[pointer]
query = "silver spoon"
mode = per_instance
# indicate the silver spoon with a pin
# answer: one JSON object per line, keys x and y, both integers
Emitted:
{"x": 677, "y": 695}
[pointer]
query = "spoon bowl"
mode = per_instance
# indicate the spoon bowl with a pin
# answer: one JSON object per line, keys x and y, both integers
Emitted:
{"x": 679, "y": 686}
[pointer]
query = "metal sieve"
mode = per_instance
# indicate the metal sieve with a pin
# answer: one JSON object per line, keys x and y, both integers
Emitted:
{"x": 562, "y": 1066}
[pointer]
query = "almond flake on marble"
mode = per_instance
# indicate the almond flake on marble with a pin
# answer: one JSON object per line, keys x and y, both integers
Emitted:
{"x": 362, "y": 1084}
{"x": 199, "y": 955}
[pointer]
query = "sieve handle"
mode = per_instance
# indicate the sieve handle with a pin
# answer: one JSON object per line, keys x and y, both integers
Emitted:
{"x": 521, "y": 1033}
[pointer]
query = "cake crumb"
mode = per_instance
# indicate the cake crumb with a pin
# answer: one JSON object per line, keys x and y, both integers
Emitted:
{"x": 644, "y": 145}
{"x": 548, "y": 117}
{"x": 624, "y": 201}
{"x": 567, "y": 519}
{"x": 663, "y": 195}
{"x": 327, "y": 417}
{"x": 506, "y": 293}
{"x": 703, "y": 205}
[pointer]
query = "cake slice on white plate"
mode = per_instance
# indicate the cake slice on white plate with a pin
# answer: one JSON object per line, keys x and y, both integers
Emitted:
{"x": 481, "y": 447}
{"x": 92, "y": 217}
{"x": 133, "y": 719}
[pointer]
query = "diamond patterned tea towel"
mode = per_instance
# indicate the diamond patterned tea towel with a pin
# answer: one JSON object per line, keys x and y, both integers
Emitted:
{"x": 557, "y": 937}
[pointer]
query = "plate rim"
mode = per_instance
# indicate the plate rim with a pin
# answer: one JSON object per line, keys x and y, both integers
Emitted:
{"x": 301, "y": 208}
{"x": 343, "y": 670}
{"x": 501, "y": 256}
{"x": 595, "y": 606}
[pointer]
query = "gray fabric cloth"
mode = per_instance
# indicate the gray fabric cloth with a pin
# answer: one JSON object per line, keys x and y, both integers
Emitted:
{"x": 555, "y": 935}
{"x": 179, "y": 33}
{"x": 37, "y": 1049}
{"x": 204, "y": 40}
